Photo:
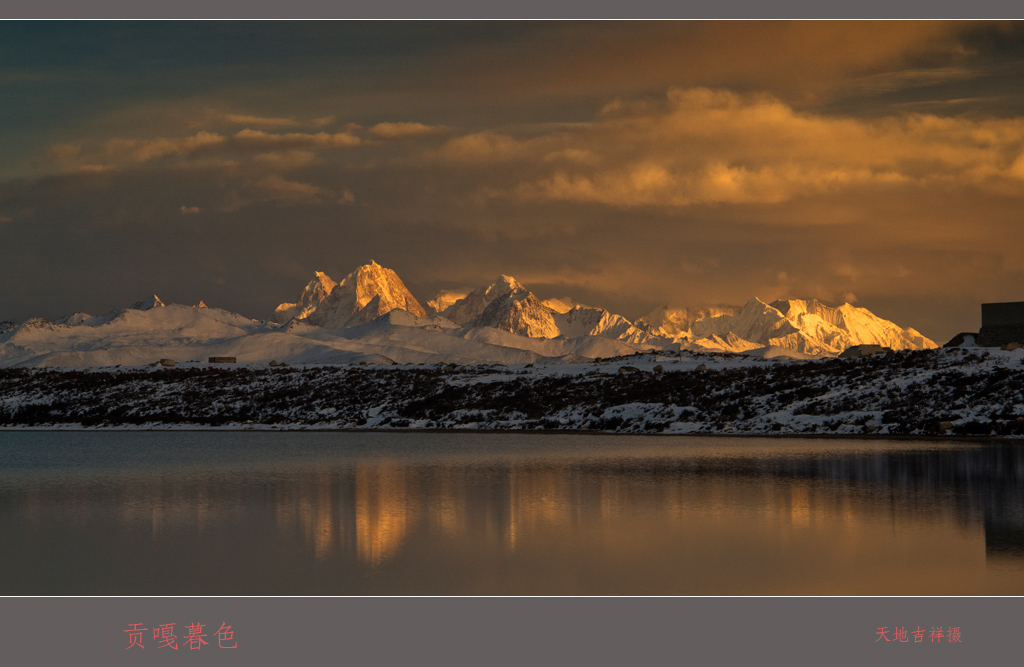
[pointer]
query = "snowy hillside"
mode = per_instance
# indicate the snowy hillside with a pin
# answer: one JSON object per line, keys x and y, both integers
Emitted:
{"x": 951, "y": 392}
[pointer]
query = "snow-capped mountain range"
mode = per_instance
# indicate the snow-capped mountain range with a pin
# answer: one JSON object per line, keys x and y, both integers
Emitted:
{"x": 371, "y": 317}
{"x": 802, "y": 326}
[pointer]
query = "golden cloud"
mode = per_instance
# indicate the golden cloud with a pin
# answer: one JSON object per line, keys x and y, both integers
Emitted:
{"x": 573, "y": 155}
{"x": 703, "y": 146}
{"x": 146, "y": 150}
{"x": 276, "y": 188}
{"x": 242, "y": 119}
{"x": 268, "y": 150}
{"x": 285, "y": 161}
{"x": 259, "y": 138}
{"x": 404, "y": 130}
{"x": 481, "y": 147}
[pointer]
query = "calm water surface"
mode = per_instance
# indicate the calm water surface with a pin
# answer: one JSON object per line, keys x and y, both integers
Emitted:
{"x": 250, "y": 513}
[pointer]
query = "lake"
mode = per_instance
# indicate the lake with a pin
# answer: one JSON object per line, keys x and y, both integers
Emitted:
{"x": 340, "y": 513}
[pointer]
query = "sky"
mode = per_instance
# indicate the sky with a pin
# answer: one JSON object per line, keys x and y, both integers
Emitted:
{"x": 628, "y": 165}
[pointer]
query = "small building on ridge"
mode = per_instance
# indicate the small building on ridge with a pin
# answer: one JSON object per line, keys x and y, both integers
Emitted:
{"x": 1001, "y": 323}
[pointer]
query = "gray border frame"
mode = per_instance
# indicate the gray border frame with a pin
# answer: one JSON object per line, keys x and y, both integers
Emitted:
{"x": 510, "y": 631}
{"x": 513, "y": 631}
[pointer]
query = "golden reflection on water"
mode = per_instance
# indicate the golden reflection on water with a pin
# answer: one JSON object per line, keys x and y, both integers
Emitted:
{"x": 446, "y": 515}
{"x": 324, "y": 517}
{"x": 799, "y": 505}
{"x": 608, "y": 527}
{"x": 383, "y": 515}
{"x": 540, "y": 506}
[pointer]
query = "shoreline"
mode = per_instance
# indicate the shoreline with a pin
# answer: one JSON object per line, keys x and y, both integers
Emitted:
{"x": 691, "y": 434}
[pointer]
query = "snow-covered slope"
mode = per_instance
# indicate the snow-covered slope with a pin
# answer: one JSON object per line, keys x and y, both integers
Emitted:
{"x": 808, "y": 327}
{"x": 585, "y": 347}
{"x": 318, "y": 289}
{"x": 148, "y": 304}
{"x": 673, "y": 322}
{"x": 848, "y": 325}
{"x": 468, "y": 308}
{"x": 562, "y": 305}
{"x": 518, "y": 312}
{"x": 127, "y": 336}
{"x": 587, "y": 321}
{"x": 363, "y": 295}
{"x": 505, "y": 305}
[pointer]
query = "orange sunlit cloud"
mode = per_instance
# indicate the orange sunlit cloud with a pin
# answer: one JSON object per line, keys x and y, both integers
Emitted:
{"x": 404, "y": 130}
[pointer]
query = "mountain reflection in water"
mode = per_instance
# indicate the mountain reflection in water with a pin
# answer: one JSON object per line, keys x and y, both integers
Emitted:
{"x": 417, "y": 513}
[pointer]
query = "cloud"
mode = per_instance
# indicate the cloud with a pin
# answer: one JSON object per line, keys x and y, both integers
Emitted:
{"x": 481, "y": 147}
{"x": 151, "y": 149}
{"x": 94, "y": 168}
{"x": 190, "y": 210}
{"x": 573, "y": 155}
{"x": 649, "y": 184}
{"x": 62, "y": 153}
{"x": 202, "y": 150}
{"x": 242, "y": 119}
{"x": 276, "y": 188}
{"x": 702, "y": 146}
{"x": 260, "y": 139}
{"x": 405, "y": 130}
{"x": 887, "y": 82}
{"x": 1017, "y": 168}
{"x": 285, "y": 161}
